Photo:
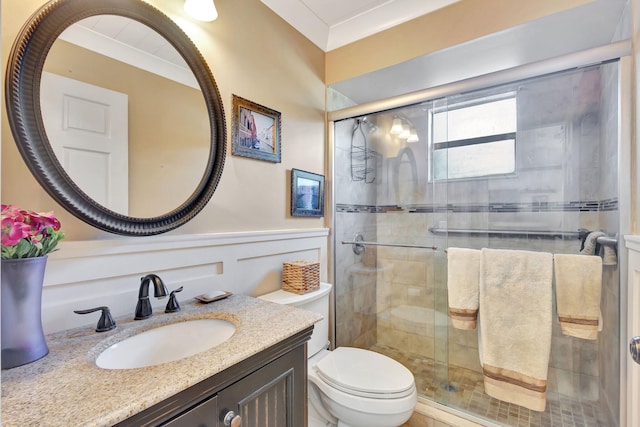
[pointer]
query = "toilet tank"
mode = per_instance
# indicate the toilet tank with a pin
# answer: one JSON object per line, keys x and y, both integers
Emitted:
{"x": 317, "y": 301}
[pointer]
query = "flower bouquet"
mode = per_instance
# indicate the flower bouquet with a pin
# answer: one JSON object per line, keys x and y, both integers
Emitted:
{"x": 27, "y": 238}
{"x": 28, "y": 234}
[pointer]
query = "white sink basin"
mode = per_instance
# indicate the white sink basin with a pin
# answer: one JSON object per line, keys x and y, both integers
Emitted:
{"x": 166, "y": 344}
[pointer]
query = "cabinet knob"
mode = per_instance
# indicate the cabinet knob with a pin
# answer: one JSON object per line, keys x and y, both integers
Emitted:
{"x": 231, "y": 419}
{"x": 634, "y": 348}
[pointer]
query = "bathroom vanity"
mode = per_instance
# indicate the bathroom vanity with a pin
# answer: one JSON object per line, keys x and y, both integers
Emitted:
{"x": 259, "y": 392}
{"x": 259, "y": 374}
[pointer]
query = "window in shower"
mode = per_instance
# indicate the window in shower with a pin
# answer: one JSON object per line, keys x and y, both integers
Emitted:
{"x": 476, "y": 138}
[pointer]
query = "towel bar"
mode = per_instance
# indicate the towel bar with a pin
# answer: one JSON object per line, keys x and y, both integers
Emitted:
{"x": 608, "y": 241}
{"x": 359, "y": 244}
{"x": 511, "y": 233}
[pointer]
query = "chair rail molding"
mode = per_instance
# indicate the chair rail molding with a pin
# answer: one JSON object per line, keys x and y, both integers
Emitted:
{"x": 93, "y": 273}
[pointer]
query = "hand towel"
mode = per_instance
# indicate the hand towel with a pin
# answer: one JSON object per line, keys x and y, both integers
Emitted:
{"x": 515, "y": 325}
{"x": 463, "y": 274}
{"x": 578, "y": 288}
{"x": 609, "y": 257}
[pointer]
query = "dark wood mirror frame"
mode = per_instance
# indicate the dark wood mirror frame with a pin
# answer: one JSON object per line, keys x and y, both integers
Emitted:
{"x": 22, "y": 94}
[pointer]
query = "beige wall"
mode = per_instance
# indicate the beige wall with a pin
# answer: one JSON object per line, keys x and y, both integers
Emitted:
{"x": 449, "y": 26}
{"x": 256, "y": 55}
{"x": 252, "y": 53}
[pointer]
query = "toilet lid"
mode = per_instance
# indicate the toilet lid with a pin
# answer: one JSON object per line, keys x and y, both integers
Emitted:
{"x": 365, "y": 372}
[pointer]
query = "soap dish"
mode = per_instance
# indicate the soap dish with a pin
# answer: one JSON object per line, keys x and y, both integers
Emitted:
{"x": 213, "y": 296}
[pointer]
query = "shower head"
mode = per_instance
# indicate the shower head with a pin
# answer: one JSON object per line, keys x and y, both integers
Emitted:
{"x": 365, "y": 121}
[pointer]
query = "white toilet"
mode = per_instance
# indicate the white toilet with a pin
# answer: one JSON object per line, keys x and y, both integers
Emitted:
{"x": 350, "y": 387}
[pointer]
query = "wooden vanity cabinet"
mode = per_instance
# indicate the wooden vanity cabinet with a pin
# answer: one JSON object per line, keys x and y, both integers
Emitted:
{"x": 202, "y": 415}
{"x": 268, "y": 389}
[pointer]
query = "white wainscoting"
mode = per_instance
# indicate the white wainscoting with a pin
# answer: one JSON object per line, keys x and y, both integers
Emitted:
{"x": 89, "y": 274}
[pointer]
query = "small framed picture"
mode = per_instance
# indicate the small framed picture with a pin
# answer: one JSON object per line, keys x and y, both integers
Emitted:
{"x": 307, "y": 193}
{"x": 256, "y": 131}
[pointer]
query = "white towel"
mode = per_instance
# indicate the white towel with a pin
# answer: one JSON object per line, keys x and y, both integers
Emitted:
{"x": 515, "y": 325}
{"x": 463, "y": 275}
{"x": 578, "y": 289}
{"x": 609, "y": 257}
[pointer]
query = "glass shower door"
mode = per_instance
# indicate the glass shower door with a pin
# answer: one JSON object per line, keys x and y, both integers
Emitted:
{"x": 552, "y": 181}
{"x": 386, "y": 293}
{"x": 525, "y": 166}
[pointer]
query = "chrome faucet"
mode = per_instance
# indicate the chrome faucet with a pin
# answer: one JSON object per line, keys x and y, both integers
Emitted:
{"x": 143, "y": 309}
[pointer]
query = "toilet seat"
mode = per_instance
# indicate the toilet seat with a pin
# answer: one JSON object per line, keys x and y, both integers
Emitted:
{"x": 340, "y": 403}
{"x": 365, "y": 373}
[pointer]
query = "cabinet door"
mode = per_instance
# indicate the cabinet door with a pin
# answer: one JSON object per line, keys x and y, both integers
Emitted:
{"x": 273, "y": 396}
{"x": 205, "y": 414}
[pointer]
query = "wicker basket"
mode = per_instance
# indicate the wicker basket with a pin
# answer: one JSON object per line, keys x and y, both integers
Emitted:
{"x": 300, "y": 277}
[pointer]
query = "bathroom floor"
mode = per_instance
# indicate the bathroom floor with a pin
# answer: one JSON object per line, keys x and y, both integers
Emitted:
{"x": 465, "y": 391}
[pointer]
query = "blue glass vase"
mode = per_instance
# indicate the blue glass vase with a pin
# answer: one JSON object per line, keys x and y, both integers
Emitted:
{"x": 22, "y": 335}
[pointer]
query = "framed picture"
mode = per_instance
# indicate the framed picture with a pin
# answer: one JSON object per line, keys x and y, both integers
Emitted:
{"x": 307, "y": 193}
{"x": 256, "y": 131}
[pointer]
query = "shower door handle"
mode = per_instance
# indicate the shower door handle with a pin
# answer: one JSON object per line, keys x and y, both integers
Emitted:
{"x": 634, "y": 348}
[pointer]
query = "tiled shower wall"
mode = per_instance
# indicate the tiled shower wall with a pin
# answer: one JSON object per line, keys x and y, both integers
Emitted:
{"x": 355, "y": 285}
{"x": 567, "y": 180}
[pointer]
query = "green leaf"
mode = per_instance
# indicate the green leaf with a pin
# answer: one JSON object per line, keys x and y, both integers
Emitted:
{"x": 8, "y": 252}
{"x": 22, "y": 248}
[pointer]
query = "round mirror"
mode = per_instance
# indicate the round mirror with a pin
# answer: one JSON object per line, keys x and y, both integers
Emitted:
{"x": 116, "y": 114}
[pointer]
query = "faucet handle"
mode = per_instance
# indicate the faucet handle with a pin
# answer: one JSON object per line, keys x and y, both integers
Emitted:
{"x": 105, "y": 323}
{"x": 172, "y": 305}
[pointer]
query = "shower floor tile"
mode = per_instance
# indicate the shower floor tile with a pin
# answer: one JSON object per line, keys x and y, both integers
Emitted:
{"x": 463, "y": 389}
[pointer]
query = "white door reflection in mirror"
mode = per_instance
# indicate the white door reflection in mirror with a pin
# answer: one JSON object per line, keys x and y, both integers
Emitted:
{"x": 169, "y": 139}
{"x": 87, "y": 126}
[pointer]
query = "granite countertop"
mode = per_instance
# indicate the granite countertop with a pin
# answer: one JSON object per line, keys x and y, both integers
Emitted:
{"x": 66, "y": 388}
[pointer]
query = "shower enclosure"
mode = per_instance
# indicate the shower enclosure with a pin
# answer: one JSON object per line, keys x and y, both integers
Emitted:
{"x": 526, "y": 165}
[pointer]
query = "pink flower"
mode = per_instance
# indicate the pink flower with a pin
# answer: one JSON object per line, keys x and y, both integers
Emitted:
{"x": 49, "y": 220}
{"x": 13, "y": 231}
{"x": 7, "y": 209}
{"x": 13, "y": 212}
{"x": 32, "y": 219}
{"x": 28, "y": 234}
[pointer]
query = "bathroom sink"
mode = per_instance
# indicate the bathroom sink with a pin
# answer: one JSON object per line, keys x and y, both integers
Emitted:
{"x": 166, "y": 344}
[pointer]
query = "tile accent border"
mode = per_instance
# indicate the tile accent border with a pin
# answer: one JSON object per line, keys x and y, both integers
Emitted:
{"x": 498, "y": 207}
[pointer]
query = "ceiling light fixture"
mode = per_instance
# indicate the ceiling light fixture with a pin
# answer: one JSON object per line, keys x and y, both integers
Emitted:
{"x": 413, "y": 136}
{"x": 202, "y": 10}
{"x": 396, "y": 127}
{"x": 406, "y": 132}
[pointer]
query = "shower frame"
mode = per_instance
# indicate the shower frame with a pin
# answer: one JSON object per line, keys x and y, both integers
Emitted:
{"x": 615, "y": 51}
